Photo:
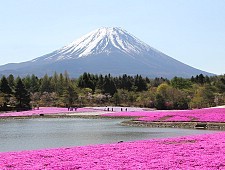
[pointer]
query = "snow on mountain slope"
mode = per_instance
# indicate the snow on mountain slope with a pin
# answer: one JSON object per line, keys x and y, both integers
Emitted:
{"x": 102, "y": 51}
{"x": 104, "y": 40}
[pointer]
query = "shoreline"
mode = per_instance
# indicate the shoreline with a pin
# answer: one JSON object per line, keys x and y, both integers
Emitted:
{"x": 204, "y": 151}
{"x": 55, "y": 116}
{"x": 129, "y": 121}
{"x": 182, "y": 125}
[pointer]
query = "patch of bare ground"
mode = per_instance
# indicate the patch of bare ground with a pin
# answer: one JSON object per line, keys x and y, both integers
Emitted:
{"x": 165, "y": 117}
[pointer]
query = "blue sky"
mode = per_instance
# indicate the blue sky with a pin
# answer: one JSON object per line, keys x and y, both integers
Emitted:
{"x": 191, "y": 31}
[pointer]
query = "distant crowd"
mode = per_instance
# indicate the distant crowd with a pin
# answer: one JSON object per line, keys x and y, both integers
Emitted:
{"x": 112, "y": 109}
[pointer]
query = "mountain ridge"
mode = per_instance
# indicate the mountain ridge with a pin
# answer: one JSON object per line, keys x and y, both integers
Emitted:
{"x": 106, "y": 50}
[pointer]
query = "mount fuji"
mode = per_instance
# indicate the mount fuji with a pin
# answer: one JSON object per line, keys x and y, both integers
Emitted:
{"x": 102, "y": 51}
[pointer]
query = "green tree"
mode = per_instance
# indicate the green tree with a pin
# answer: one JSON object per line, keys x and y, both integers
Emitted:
{"x": 46, "y": 84}
{"x": 87, "y": 81}
{"x": 6, "y": 92}
{"x": 66, "y": 79}
{"x": 109, "y": 86}
{"x": 160, "y": 102}
{"x": 22, "y": 96}
{"x": 70, "y": 96}
{"x": 131, "y": 98}
{"x": 100, "y": 82}
{"x": 126, "y": 82}
{"x": 220, "y": 84}
{"x": 54, "y": 82}
{"x": 34, "y": 84}
{"x": 173, "y": 97}
{"x": 197, "y": 101}
{"x": 208, "y": 95}
{"x": 203, "y": 97}
{"x": 60, "y": 85}
{"x": 116, "y": 99}
{"x": 11, "y": 81}
{"x": 140, "y": 83}
{"x": 180, "y": 99}
{"x": 164, "y": 90}
{"x": 27, "y": 82}
{"x": 4, "y": 86}
{"x": 180, "y": 83}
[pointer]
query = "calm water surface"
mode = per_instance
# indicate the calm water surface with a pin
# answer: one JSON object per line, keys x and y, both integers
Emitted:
{"x": 31, "y": 134}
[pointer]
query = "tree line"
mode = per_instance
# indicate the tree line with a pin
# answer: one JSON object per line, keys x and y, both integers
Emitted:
{"x": 99, "y": 90}
{"x": 13, "y": 94}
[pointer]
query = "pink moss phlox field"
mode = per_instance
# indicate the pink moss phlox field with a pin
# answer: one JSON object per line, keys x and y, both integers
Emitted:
{"x": 192, "y": 152}
{"x": 44, "y": 110}
{"x": 202, "y": 115}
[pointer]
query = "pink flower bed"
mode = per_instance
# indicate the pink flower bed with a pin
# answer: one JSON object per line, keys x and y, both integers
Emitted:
{"x": 202, "y": 115}
{"x": 44, "y": 110}
{"x": 177, "y": 117}
{"x": 193, "y": 152}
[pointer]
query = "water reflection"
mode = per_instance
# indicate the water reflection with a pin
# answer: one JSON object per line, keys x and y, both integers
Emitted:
{"x": 51, "y": 133}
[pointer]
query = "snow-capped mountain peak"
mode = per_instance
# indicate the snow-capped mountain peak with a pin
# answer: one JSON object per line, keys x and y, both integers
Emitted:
{"x": 102, "y": 51}
{"x": 103, "y": 40}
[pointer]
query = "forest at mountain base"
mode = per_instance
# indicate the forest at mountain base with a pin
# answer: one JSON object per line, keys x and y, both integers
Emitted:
{"x": 100, "y": 90}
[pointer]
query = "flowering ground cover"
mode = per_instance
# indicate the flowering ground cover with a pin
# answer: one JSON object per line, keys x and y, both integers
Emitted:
{"x": 193, "y": 152}
{"x": 201, "y": 115}
{"x": 44, "y": 110}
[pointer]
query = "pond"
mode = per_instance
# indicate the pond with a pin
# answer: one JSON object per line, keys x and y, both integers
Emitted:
{"x": 30, "y": 134}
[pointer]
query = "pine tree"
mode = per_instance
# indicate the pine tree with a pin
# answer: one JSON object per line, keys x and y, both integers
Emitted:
{"x": 160, "y": 102}
{"x": 60, "y": 85}
{"x": 34, "y": 84}
{"x": 140, "y": 83}
{"x": 4, "y": 86}
{"x": 70, "y": 95}
{"x": 5, "y": 92}
{"x": 46, "y": 84}
{"x": 11, "y": 81}
{"x": 66, "y": 79}
{"x": 201, "y": 79}
{"x": 109, "y": 86}
{"x": 54, "y": 82}
{"x": 22, "y": 96}
{"x": 116, "y": 98}
{"x": 99, "y": 84}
